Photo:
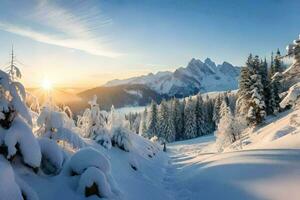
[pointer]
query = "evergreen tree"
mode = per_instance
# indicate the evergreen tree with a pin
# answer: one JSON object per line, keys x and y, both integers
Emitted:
{"x": 244, "y": 93}
{"x": 209, "y": 110}
{"x": 224, "y": 133}
{"x": 265, "y": 80}
{"x": 177, "y": 118}
{"x": 166, "y": 128}
{"x": 182, "y": 132}
{"x": 199, "y": 115}
{"x": 277, "y": 62}
{"x": 216, "y": 111}
{"x": 256, "y": 112}
{"x": 153, "y": 120}
{"x": 143, "y": 124}
{"x": 274, "y": 95}
{"x": 190, "y": 120}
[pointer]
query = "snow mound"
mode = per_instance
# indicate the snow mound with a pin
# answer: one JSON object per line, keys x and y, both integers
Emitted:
{"x": 27, "y": 191}
{"x": 88, "y": 157}
{"x": 52, "y": 156}
{"x": 121, "y": 138}
{"x": 94, "y": 182}
{"x": 9, "y": 189}
{"x": 20, "y": 136}
{"x": 70, "y": 137}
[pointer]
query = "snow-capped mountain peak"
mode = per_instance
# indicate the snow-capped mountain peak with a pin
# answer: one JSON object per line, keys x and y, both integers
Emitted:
{"x": 196, "y": 77}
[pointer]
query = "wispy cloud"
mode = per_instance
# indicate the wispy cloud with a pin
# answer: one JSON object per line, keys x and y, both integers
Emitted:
{"x": 77, "y": 28}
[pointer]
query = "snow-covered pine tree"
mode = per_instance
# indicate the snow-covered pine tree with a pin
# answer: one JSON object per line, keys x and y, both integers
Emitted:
{"x": 274, "y": 95}
{"x": 190, "y": 120}
{"x": 244, "y": 93}
{"x": 256, "y": 112}
{"x": 265, "y": 80}
{"x": 143, "y": 124}
{"x": 199, "y": 115}
{"x": 225, "y": 135}
{"x": 166, "y": 128}
{"x": 177, "y": 118}
{"x": 208, "y": 114}
{"x": 216, "y": 111}
{"x": 153, "y": 120}
{"x": 277, "y": 66}
{"x": 182, "y": 110}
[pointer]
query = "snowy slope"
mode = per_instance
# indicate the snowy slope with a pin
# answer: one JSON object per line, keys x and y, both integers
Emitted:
{"x": 267, "y": 167}
{"x": 143, "y": 183}
{"x": 197, "y": 76}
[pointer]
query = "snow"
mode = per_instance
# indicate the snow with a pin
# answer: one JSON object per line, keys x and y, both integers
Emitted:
{"x": 20, "y": 133}
{"x": 9, "y": 189}
{"x": 89, "y": 157}
{"x": 121, "y": 138}
{"x": 52, "y": 152}
{"x": 292, "y": 96}
{"x": 93, "y": 175}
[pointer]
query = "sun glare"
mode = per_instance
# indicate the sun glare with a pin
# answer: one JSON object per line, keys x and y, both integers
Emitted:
{"x": 46, "y": 84}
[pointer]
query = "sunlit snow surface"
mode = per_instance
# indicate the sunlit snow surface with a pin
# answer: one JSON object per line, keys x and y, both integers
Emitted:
{"x": 267, "y": 167}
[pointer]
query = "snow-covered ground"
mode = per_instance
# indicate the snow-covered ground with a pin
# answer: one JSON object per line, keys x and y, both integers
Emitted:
{"x": 266, "y": 167}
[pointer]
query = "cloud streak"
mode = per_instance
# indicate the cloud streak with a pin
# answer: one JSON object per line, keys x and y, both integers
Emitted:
{"x": 59, "y": 26}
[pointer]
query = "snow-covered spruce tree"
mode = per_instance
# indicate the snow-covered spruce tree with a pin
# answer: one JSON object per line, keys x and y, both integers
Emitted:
{"x": 244, "y": 93}
{"x": 276, "y": 64}
{"x": 190, "y": 120}
{"x": 209, "y": 110}
{"x": 199, "y": 115}
{"x": 92, "y": 124}
{"x": 216, "y": 111}
{"x": 143, "y": 124}
{"x": 265, "y": 80}
{"x": 177, "y": 118}
{"x": 166, "y": 126}
{"x": 225, "y": 135}
{"x": 256, "y": 112}
{"x": 153, "y": 120}
{"x": 274, "y": 99}
{"x": 15, "y": 121}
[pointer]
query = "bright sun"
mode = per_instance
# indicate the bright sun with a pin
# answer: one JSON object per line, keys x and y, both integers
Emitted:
{"x": 46, "y": 84}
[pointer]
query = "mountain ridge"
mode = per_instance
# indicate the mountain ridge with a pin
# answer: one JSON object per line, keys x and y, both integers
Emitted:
{"x": 196, "y": 77}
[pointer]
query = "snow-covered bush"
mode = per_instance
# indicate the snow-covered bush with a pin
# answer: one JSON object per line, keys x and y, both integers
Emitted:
{"x": 52, "y": 156}
{"x": 94, "y": 182}
{"x": 12, "y": 98}
{"x": 95, "y": 173}
{"x": 92, "y": 124}
{"x": 57, "y": 125}
{"x": 103, "y": 138}
{"x": 121, "y": 138}
{"x": 115, "y": 119}
{"x": 19, "y": 138}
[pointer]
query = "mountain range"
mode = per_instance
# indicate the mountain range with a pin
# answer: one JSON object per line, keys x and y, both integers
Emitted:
{"x": 196, "y": 77}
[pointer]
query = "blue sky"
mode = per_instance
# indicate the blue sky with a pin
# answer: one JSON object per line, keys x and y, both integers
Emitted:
{"x": 88, "y": 42}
